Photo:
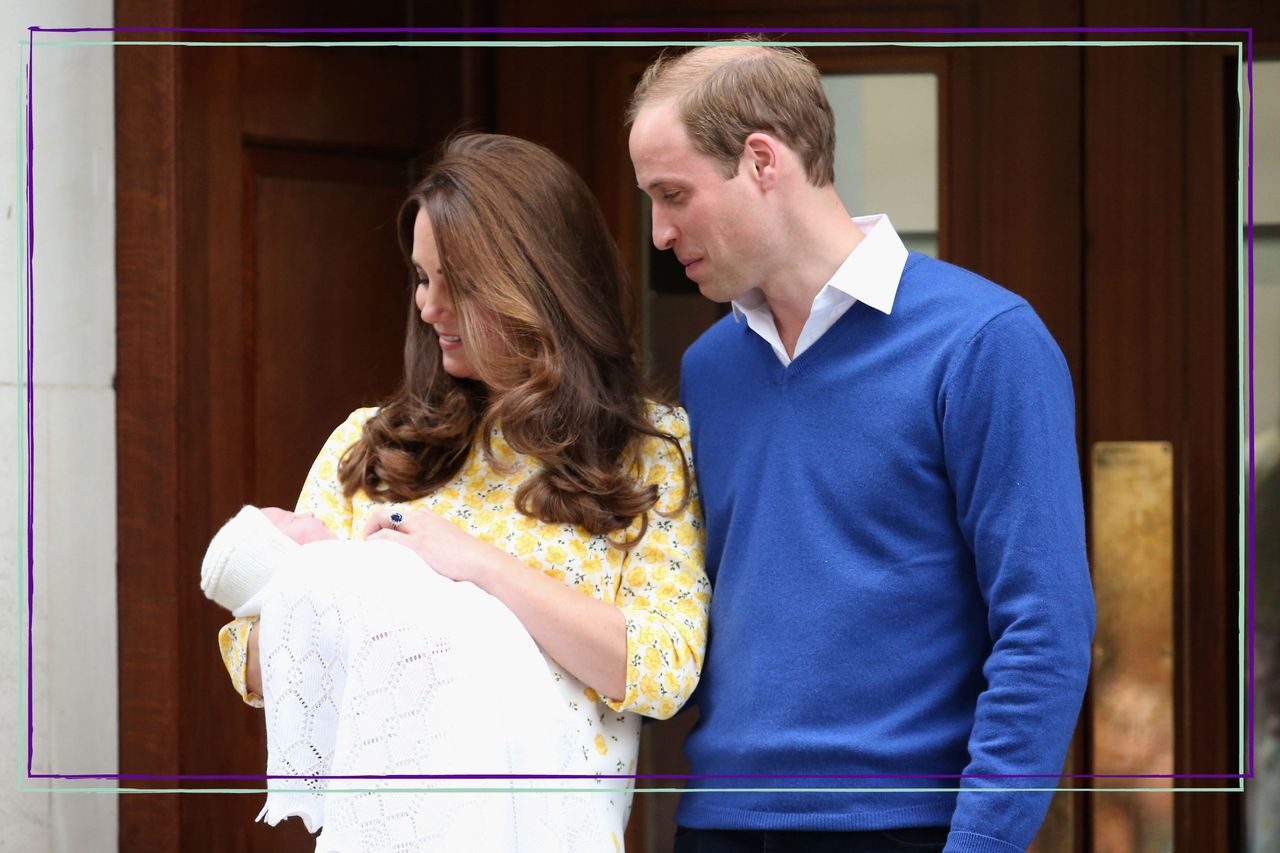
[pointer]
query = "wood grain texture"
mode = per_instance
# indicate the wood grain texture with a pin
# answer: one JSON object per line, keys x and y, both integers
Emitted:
{"x": 148, "y": 482}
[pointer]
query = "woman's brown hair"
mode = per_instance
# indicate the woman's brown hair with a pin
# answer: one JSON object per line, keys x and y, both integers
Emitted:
{"x": 527, "y": 259}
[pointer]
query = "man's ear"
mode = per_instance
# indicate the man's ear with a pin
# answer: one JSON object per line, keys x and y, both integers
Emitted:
{"x": 760, "y": 154}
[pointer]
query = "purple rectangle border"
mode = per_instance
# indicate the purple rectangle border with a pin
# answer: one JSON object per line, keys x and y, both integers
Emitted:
{"x": 30, "y": 423}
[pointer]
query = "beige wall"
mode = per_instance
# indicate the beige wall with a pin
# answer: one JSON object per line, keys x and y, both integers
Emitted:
{"x": 74, "y": 669}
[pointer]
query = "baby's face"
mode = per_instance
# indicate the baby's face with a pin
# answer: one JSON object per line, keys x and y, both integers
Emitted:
{"x": 300, "y": 527}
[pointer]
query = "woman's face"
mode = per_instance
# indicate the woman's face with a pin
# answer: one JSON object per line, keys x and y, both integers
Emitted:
{"x": 434, "y": 304}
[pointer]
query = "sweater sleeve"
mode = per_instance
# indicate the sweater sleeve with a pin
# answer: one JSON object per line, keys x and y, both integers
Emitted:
{"x": 664, "y": 593}
{"x": 1009, "y": 442}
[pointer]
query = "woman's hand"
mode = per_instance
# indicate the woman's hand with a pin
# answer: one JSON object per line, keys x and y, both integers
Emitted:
{"x": 444, "y": 546}
{"x": 586, "y": 636}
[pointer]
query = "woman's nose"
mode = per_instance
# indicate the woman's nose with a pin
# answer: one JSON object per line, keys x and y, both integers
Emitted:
{"x": 431, "y": 305}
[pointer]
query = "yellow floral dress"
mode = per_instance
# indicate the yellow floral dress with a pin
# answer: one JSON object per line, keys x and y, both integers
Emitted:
{"x": 660, "y": 584}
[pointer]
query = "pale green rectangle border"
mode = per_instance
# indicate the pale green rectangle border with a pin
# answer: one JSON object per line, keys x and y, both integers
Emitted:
{"x": 22, "y": 390}
{"x": 1242, "y": 352}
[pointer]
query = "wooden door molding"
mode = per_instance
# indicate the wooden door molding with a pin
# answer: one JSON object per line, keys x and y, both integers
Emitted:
{"x": 167, "y": 199}
{"x": 1160, "y": 307}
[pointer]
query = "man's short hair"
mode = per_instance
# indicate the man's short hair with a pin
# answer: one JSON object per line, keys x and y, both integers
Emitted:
{"x": 725, "y": 92}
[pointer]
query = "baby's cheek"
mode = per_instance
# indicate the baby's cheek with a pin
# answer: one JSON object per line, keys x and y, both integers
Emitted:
{"x": 317, "y": 531}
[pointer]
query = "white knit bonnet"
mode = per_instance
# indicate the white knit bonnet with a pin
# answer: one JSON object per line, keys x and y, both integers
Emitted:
{"x": 242, "y": 556}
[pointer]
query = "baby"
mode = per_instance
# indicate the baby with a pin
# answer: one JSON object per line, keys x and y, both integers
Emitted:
{"x": 375, "y": 667}
{"x": 246, "y": 552}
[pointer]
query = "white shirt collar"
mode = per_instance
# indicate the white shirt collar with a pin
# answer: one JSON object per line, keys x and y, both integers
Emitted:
{"x": 870, "y": 274}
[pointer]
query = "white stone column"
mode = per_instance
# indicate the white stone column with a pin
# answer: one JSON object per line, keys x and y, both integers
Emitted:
{"x": 74, "y": 668}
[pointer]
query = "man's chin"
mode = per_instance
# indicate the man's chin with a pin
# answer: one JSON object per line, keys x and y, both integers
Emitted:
{"x": 716, "y": 294}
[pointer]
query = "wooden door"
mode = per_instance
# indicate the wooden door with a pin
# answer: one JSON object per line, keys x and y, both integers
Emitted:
{"x": 261, "y": 297}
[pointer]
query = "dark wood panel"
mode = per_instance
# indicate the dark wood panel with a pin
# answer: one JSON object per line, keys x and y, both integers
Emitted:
{"x": 147, "y": 450}
{"x": 1134, "y": 280}
{"x": 760, "y": 14}
{"x": 1210, "y": 665}
{"x": 545, "y": 93}
{"x": 378, "y": 98}
{"x": 330, "y": 293}
{"x": 523, "y": 108}
{"x": 1158, "y": 349}
{"x": 1012, "y": 154}
{"x": 1262, "y": 16}
{"x": 1134, "y": 276}
{"x": 208, "y": 194}
{"x": 310, "y": 13}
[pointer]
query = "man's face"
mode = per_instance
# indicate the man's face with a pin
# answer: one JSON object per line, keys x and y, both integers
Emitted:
{"x": 300, "y": 527}
{"x": 709, "y": 222}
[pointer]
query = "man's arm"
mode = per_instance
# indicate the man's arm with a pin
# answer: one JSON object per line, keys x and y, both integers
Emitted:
{"x": 1009, "y": 439}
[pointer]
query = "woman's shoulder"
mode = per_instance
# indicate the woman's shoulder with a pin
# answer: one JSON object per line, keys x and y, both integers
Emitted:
{"x": 361, "y": 415}
{"x": 658, "y": 455}
{"x": 662, "y": 462}
{"x": 668, "y": 418}
{"x": 349, "y": 431}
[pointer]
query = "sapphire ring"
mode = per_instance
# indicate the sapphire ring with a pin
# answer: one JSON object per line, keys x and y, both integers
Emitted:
{"x": 396, "y": 518}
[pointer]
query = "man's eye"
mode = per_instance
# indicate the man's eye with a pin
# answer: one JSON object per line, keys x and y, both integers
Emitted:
{"x": 670, "y": 197}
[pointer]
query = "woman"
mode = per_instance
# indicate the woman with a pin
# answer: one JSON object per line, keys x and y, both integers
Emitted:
{"x": 519, "y": 453}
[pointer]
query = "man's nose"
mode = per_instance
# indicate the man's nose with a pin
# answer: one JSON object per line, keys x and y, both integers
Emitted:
{"x": 664, "y": 233}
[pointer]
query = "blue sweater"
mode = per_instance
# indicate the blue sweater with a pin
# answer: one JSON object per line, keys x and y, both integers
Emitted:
{"x": 895, "y": 537}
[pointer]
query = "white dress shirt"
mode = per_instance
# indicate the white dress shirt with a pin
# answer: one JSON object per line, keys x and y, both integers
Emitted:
{"x": 870, "y": 274}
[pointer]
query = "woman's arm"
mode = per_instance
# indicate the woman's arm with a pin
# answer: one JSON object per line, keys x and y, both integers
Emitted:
{"x": 642, "y": 651}
{"x": 664, "y": 593}
{"x": 253, "y": 667}
{"x": 586, "y": 636}
{"x": 233, "y": 643}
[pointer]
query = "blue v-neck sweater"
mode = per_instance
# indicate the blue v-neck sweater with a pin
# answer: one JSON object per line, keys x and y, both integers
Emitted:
{"x": 895, "y": 536}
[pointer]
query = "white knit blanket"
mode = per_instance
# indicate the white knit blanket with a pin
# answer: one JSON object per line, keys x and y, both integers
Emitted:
{"x": 374, "y": 665}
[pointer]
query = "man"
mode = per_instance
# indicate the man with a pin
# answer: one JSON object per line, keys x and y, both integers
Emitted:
{"x": 886, "y": 455}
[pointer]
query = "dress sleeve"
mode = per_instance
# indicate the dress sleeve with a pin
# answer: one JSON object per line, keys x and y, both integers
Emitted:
{"x": 663, "y": 592}
{"x": 321, "y": 492}
{"x": 233, "y": 643}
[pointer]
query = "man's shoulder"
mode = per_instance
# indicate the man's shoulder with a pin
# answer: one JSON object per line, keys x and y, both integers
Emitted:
{"x": 722, "y": 334}
{"x": 945, "y": 286}
{"x": 953, "y": 306}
